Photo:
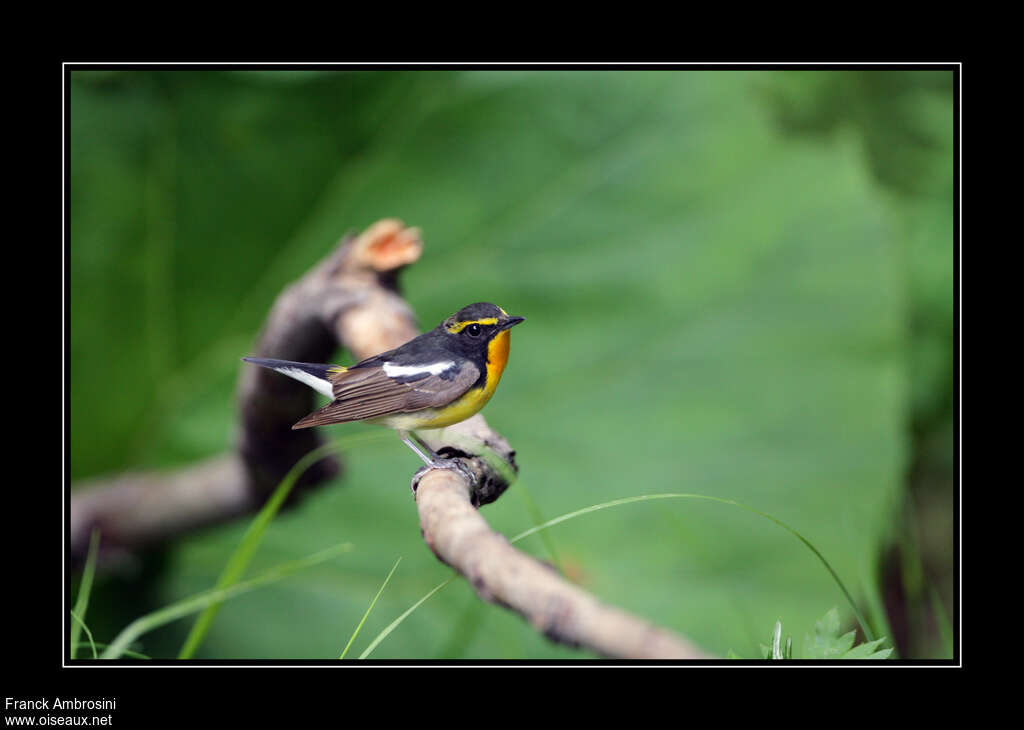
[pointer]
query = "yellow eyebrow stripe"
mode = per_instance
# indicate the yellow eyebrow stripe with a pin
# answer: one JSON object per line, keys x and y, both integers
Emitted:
{"x": 459, "y": 326}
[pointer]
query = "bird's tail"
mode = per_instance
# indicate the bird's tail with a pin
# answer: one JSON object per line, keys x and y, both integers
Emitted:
{"x": 313, "y": 375}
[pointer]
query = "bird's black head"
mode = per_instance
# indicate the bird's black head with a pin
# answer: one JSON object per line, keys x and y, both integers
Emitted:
{"x": 477, "y": 324}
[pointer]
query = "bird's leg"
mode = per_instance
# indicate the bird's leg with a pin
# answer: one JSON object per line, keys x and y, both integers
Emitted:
{"x": 433, "y": 461}
{"x": 428, "y": 460}
{"x": 433, "y": 454}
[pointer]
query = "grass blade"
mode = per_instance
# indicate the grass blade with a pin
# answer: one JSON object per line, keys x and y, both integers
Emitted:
{"x": 127, "y": 652}
{"x": 370, "y": 608}
{"x": 81, "y": 623}
{"x": 394, "y": 624}
{"x": 777, "y": 641}
{"x": 84, "y": 588}
{"x": 538, "y": 518}
{"x": 243, "y": 554}
{"x": 198, "y": 602}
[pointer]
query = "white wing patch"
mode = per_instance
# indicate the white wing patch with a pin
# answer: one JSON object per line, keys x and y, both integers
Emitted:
{"x": 395, "y": 371}
{"x": 320, "y": 385}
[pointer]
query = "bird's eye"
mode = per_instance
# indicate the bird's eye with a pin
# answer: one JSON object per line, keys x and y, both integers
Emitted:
{"x": 473, "y": 330}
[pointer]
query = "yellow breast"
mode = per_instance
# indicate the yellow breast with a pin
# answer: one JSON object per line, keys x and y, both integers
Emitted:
{"x": 476, "y": 398}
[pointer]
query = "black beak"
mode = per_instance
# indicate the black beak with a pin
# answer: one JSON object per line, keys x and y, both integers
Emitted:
{"x": 512, "y": 322}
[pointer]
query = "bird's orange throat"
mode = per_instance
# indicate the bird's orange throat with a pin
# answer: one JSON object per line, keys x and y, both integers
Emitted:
{"x": 497, "y": 357}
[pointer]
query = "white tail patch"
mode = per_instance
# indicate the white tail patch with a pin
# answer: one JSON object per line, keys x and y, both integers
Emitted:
{"x": 320, "y": 385}
{"x": 397, "y": 371}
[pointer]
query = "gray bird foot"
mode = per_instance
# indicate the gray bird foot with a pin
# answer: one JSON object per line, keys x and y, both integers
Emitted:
{"x": 454, "y": 465}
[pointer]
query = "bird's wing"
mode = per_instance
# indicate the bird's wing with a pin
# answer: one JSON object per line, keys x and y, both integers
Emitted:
{"x": 383, "y": 389}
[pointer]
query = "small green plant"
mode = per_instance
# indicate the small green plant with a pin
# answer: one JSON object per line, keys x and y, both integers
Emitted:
{"x": 824, "y": 643}
{"x": 776, "y": 651}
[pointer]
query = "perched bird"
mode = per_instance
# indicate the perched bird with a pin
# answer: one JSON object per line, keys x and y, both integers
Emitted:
{"x": 441, "y": 377}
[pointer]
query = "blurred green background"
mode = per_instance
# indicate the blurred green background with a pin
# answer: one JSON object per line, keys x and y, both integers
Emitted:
{"x": 737, "y": 283}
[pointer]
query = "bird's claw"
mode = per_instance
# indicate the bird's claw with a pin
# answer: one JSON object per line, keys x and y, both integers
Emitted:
{"x": 455, "y": 465}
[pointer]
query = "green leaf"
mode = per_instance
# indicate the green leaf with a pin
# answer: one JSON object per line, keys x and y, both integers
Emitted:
{"x": 867, "y": 650}
{"x": 826, "y": 642}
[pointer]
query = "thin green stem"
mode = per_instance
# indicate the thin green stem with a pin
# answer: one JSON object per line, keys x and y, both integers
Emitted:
{"x": 370, "y": 608}
{"x": 534, "y": 511}
{"x": 84, "y": 589}
{"x": 88, "y": 633}
{"x": 394, "y": 624}
{"x": 126, "y": 652}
